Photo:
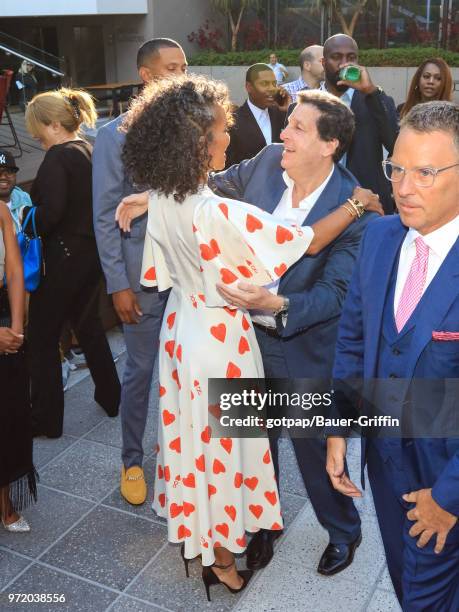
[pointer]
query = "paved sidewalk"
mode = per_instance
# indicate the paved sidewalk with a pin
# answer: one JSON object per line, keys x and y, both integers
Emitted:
{"x": 105, "y": 555}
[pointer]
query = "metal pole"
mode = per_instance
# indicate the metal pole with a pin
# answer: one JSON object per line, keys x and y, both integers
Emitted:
{"x": 322, "y": 24}
{"x": 387, "y": 24}
{"x": 329, "y": 20}
{"x": 428, "y": 16}
{"x": 275, "y": 23}
{"x": 449, "y": 22}
{"x": 268, "y": 20}
{"x": 440, "y": 25}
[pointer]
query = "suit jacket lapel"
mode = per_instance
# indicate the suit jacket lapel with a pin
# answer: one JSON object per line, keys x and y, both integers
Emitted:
{"x": 275, "y": 187}
{"x": 436, "y": 301}
{"x": 384, "y": 259}
{"x": 356, "y": 102}
{"x": 328, "y": 200}
{"x": 252, "y": 127}
{"x": 277, "y": 125}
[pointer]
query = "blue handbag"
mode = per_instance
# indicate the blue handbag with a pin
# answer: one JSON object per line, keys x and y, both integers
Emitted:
{"x": 32, "y": 253}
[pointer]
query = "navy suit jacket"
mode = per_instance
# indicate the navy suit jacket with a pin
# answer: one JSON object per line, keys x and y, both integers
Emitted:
{"x": 316, "y": 285}
{"x": 357, "y": 349}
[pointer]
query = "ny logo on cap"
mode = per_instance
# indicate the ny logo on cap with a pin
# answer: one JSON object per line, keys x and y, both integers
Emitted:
{"x": 2, "y": 159}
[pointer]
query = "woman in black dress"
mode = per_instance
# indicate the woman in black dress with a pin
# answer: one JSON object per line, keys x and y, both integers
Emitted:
{"x": 17, "y": 474}
{"x": 69, "y": 290}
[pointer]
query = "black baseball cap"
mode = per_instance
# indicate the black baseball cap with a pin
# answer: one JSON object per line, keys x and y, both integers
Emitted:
{"x": 7, "y": 160}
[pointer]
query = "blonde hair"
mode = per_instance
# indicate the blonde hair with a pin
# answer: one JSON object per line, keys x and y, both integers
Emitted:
{"x": 70, "y": 107}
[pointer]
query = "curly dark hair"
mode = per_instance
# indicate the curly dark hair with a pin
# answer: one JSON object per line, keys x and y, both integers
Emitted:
{"x": 168, "y": 129}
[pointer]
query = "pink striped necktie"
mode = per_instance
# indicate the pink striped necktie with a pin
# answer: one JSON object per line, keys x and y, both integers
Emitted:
{"x": 414, "y": 285}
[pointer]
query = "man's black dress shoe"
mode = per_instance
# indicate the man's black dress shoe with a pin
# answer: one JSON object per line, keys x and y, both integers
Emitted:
{"x": 260, "y": 549}
{"x": 337, "y": 557}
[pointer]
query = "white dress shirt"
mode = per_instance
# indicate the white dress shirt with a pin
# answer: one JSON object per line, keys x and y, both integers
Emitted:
{"x": 286, "y": 212}
{"x": 439, "y": 242}
{"x": 264, "y": 121}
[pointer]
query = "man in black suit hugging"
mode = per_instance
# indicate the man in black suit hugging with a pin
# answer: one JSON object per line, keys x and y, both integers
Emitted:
{"x": 260, "y": 120}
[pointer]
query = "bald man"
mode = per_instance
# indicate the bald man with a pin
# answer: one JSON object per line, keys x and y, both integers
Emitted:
{"x": 260, "y": 120}
{"x": 376, "y": 124}
{"x": 312, "y": 71}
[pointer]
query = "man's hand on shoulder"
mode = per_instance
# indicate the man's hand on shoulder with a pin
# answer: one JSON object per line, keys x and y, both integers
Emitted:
{"x": 369, "y": 200}
{"x": 126, "y": 306}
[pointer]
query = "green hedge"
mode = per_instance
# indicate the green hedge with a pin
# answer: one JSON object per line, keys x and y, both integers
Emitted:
{"x": 403, "y": 56}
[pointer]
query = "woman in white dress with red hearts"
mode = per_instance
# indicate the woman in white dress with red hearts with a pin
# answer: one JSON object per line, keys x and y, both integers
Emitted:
{"x": 211, "y": 490}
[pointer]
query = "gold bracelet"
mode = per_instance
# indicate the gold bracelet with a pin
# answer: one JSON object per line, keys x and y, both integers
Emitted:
{"x": 349, "y": 210}
{"x": 358, "y": 214}
{"x": 357, "y": 206}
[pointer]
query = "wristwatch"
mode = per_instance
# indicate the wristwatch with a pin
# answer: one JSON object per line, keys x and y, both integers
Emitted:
{"x": 378, "y": 91}
{"x": 284, "y": 308}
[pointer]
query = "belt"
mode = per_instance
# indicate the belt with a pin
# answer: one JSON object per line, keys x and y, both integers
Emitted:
{"x": 269, "y": 331}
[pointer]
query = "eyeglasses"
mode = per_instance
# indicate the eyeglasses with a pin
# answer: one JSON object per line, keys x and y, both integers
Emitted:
{"x": 422, "y": 177}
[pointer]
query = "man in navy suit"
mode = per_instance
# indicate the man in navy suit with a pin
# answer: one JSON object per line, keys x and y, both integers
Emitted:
{"x": 121, "y": 258}
{"x": 296, "y": 321}
{"x": 400, "y": 322}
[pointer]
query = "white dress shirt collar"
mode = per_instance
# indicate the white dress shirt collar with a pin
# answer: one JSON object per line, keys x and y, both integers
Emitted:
{"x": 257, "y": 112}
{"x": 308, "y": 202}
{"x": 346, "y": 96}
{"x": 440, "y": 240}
{"x": 263, "y": 120}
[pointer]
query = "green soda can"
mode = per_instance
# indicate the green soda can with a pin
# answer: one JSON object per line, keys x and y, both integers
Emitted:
{"x": 350, "y": 73}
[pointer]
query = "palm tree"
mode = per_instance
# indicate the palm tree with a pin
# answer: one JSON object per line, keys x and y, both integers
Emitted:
{"x": 234, "y": 10}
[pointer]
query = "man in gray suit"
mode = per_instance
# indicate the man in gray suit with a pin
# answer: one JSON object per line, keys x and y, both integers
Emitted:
{"x": 121, "y": 256}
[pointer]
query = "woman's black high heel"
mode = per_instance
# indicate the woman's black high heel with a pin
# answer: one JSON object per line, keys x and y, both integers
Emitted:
{"x": 210, "y": 578}
{"x": 185, "y": 560}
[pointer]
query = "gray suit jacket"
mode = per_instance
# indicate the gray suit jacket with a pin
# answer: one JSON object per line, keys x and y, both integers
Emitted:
{"x": 120, "y": 253}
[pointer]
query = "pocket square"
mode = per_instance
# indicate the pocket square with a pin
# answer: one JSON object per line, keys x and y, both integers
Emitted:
{"x": 445, "y": 336}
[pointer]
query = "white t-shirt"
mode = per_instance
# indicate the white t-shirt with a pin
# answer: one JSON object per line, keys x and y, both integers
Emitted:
{"x": 278, "y": 71}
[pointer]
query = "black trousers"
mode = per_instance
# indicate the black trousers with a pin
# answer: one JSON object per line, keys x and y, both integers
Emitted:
{"x": 69, "y": 291}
